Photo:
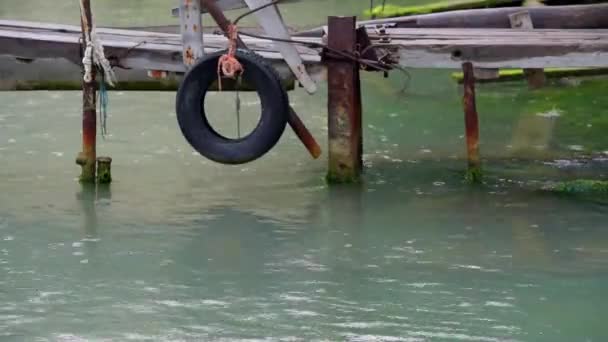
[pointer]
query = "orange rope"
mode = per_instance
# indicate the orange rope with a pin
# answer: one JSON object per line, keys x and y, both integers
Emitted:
{"x": 228, "y": 65}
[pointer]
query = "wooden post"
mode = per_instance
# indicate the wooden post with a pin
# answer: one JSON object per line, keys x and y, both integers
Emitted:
{"x": 344, "y": 104}
{"x": 471, "y": 122}
{"x": 521, "y": 20}
{"x": 87, "y": 158}
{"x": 191, "y": 28}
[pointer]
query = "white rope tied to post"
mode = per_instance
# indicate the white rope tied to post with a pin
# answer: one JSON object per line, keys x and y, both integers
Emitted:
{"x": 94, "y": 53}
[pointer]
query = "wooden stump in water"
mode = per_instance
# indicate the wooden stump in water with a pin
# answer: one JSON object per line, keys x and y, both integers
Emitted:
{"x": 104, "y": 170}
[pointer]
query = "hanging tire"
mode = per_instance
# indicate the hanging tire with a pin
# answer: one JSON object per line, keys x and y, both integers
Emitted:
{"x": 204, "y": 138}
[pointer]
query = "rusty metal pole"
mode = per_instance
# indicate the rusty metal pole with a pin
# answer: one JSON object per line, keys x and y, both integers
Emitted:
{"x": 88, "y": 156}
{"x": 191, "y": 28}
{"x": 471, "y": 122}
{"x": 294, "y": 121}
{"x": 344, "y": 104}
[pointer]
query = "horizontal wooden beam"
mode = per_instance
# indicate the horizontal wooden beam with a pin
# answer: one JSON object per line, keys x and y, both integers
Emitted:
{"x": 130, "y": 49}
{"x": 418, "y": 48}
{"x": 547, "y": 17}
{"x": 496, "y": 48}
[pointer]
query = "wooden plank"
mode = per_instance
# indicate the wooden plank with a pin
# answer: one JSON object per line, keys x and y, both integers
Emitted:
{"x": 434, "y": 48}
{"x": 191, "y": 31}
{"x": 270, "y": 19}
{"x": 134, "y": 49}
{"x": 549, "y": 17}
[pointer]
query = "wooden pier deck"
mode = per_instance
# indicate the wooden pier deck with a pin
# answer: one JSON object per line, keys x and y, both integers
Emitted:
{"x": 410, "y": 47}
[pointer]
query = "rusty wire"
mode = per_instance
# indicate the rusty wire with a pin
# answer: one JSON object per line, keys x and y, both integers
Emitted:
{"x": 342, "y": 54}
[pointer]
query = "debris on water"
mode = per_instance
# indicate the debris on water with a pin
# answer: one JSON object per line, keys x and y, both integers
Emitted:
{"x": 564, "y": 163}
{"x": 576, "y": 147}
{"x": 499, "y": 304}
{"x": 553, "y": 113}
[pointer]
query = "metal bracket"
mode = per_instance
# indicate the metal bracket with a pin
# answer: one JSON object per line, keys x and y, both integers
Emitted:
{"x": 380, "y": 29}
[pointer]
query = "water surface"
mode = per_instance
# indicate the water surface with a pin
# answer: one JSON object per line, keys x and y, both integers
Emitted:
{"x": 181, "y": 249}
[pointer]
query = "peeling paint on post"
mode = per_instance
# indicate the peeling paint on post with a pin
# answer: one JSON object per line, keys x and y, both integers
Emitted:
{"x": 344, "y": 104}
{"x": 191, "y": 31}
{"x": 471, "y": 122}
{"x": 87, "y": 158}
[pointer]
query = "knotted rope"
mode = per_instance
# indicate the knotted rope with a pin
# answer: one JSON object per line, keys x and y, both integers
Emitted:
{"x": 228, "y": 65}
{"x": 94, "y": 53}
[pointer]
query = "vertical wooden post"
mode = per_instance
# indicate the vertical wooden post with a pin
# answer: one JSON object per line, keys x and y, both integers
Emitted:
{"x": 471, "y": 122}
{"x": 344, "y": 104}
{"x": 536, "y": 77}
{"x": 191, "y": 28}
{"x": 87, "y": 158}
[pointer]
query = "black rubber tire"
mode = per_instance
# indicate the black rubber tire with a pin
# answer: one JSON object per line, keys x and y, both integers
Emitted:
{"x": 198, "y": 131}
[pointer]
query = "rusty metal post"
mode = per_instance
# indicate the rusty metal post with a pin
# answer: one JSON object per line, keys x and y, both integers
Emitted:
{"x": 471, "y": 122}
{"x": 87, "y": 157}
{"x": 191, "y": 28}
{"x": 344, "y": 104}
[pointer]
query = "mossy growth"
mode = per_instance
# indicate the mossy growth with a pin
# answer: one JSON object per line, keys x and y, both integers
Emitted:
{"x": 506, "y": 75}
{"x": 389, "y": 11}
{"x": 341, "y": 178}
{"x": 104, "y": 170}
{"x": 578, "y": 187}
{"x": 473, "y": 175}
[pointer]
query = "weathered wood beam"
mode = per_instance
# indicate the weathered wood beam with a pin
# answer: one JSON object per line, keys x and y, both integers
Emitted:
{"x": 498, "y": 48}
{"x": 417, "y": 48}
{"x": 549, "y": 17}
{"x": 131, "y": 49}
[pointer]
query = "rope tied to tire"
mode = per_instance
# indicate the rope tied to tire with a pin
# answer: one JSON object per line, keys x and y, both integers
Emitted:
{"x": 228, "y": 64}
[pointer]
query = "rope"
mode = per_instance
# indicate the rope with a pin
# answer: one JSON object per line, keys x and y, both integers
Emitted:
{"x": 103, "y": 107}
{"x": 228, "y": 65}
{"x": 94, "y": 53}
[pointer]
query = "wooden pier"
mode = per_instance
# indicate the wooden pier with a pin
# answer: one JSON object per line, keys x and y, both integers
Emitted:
{"x": 391, "y": 44}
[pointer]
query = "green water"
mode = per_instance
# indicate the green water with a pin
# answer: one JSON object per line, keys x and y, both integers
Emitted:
{"x": 181, "y": 249}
